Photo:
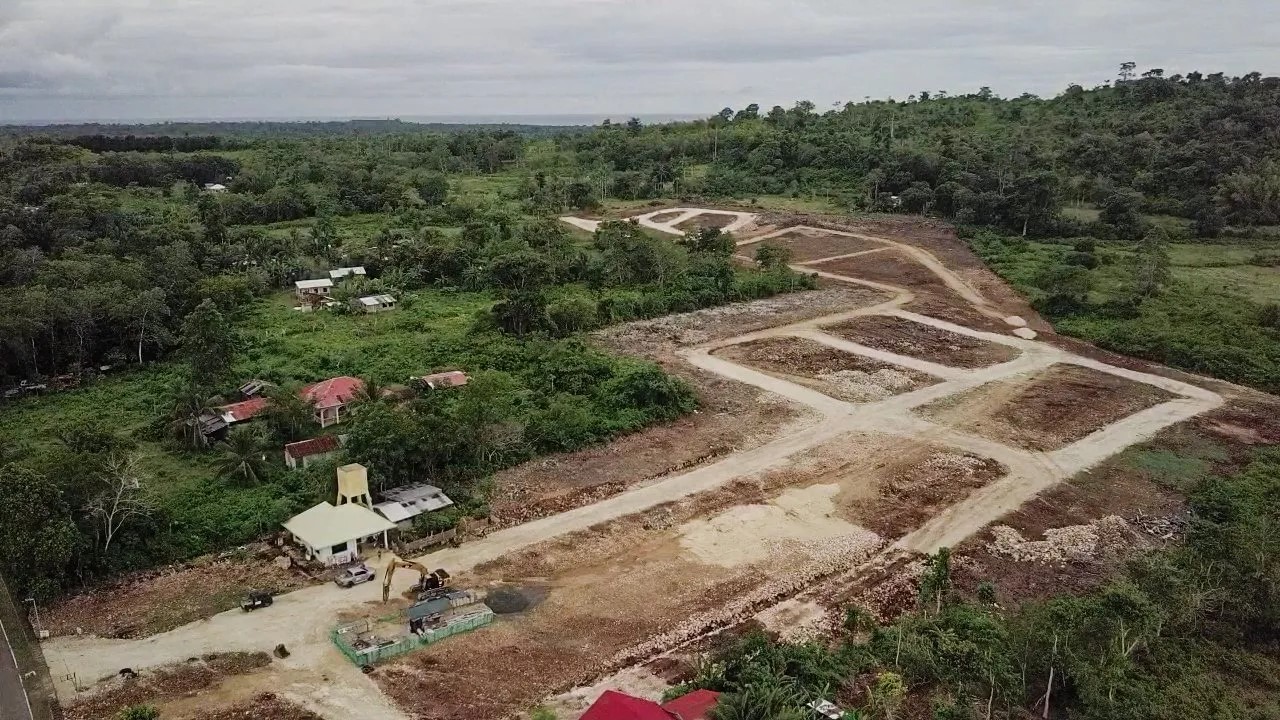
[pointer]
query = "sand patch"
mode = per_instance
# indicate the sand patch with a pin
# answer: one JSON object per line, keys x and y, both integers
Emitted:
{"x": 800, "y": 518}
{"x": 795, "y": 620}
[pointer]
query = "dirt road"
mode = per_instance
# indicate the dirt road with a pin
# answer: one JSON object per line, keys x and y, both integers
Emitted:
{"x": 301, "y": 619}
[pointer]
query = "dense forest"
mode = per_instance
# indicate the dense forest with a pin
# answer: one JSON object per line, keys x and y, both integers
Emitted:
{"x": 1140, "y": 215}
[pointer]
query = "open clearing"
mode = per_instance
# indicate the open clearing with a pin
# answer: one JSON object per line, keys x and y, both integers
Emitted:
{"x": 822, "y": 496}
{"x": 840, "y": 374}
{"x": 811, "y": 244}
{"x": 704, "y": 220}
{"x": 894, "y": 334}
{"x": 1048, "y": 410}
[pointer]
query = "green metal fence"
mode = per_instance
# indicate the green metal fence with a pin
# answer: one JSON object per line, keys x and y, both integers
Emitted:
{"x": 344, "y": 636}
{"x": 31, "y": 665}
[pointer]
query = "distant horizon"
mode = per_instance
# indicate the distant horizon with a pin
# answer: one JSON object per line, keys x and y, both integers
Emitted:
{"x": 539, "y": 119}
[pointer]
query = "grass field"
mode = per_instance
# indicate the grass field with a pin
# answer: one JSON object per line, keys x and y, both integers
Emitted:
{"x": 427, "y": 333}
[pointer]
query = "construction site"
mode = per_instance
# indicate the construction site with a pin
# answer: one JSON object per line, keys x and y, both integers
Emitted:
{"x": 912, "y": 402}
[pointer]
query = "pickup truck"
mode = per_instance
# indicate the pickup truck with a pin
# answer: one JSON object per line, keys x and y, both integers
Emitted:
{"x": 354, "y": 576}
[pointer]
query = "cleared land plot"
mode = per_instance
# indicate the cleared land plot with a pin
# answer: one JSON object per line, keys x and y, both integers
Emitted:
{"x": 705, "y": 220}
{"x": 668, "y": 216}
{"x": 904, "y": 484}
{"x": 659, "y": 338}
{"x": 843, "y": 375}
{"x": 893, "y": 267}
{"x": 807, "y": 245}
{"x": 593, "y": 601}
{"x": 1048, "y": 410}
{"x": 1144, "y": 485}
{"x": 615, "y": 592}
{"x": 923, "y": 342}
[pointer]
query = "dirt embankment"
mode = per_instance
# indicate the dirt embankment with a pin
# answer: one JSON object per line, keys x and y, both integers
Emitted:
{"x": 731, "y": 418}
{"x": 146, "y": 603}
{"x": 158, "y": 685}
{"x": 659, "y": 339}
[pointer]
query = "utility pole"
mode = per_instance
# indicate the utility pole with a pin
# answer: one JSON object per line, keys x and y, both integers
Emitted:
{"x": 35, "y": 610}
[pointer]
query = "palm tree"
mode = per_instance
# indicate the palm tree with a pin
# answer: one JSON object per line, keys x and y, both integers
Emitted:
{"x": 190, "y": 408}
{"x": 243, "y": 454}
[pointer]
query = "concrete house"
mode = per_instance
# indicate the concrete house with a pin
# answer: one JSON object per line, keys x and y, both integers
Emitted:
{"x": 436, "y": 381}
{"x": 331, "y": 398}
{"x": 401, "y": 505}
{"x": 332, "y": 534}
{"x": 215, "y": 187}
{"x": 323, "y": 286}
{"x": 374, "y": 303}
{"x": 342, "y": 272}
{"x": 304, "y": 452}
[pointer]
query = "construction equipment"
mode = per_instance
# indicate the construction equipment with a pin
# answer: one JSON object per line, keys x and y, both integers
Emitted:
{"x": 427, "y": 579}
{"x": 256, "y": 599}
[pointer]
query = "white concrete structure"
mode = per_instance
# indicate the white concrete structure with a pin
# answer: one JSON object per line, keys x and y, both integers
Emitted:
{"x": 323, "y": 286}
{"x": 374, "y": 303}
{"x": 332, "y": 535}
{"x": 339, "y": 273}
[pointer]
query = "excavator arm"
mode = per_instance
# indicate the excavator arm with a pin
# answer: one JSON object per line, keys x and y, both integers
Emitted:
{"x": 391, "y": 570}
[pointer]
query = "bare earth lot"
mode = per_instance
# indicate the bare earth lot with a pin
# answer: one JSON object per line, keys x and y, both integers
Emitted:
{"x": 792, "y": 494}
{"x": 840, "y": 374}
{"x": 810, "y": 244}
{"x": 705, "y": 220}
{"x": 1046, "y": 411}
{"x": 894, "y": 334}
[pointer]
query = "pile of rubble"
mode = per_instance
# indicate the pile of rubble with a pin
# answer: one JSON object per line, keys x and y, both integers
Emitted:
{"x": 1074, "y": 543}
{"x": 1162, "y": 527}
{"x": 862, "y": 386}
{"x": 952, "y": 463}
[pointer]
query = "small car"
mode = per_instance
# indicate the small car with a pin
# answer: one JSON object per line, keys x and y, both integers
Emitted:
{"x": 354, "y": 576}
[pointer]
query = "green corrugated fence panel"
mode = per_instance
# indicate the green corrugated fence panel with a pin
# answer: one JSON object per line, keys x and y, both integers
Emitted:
{"x": 409, "y": 642}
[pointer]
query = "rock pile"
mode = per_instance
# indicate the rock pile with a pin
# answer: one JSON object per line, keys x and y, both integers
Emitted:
{"x": 1074, "y": 543}
{"x": 863, "y": 386}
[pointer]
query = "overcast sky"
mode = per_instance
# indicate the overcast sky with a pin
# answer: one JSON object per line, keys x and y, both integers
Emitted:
{"x": 194, "y": 59}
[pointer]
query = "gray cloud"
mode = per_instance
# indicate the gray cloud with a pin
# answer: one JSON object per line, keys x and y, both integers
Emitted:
{"x": 86, "y": 59}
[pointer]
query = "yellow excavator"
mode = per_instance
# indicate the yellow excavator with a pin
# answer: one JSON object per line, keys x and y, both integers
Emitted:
{"x": 427, "y": 579}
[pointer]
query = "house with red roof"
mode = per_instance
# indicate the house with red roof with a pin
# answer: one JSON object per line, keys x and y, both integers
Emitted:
{"x": 613, "y": 705}
{"x": 330, "y": 399}
{"x": 305, "y": 452}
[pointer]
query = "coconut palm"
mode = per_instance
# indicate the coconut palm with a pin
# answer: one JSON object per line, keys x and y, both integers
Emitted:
{"x": 243, "y": 454}
{"x": 190, "y": 408}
